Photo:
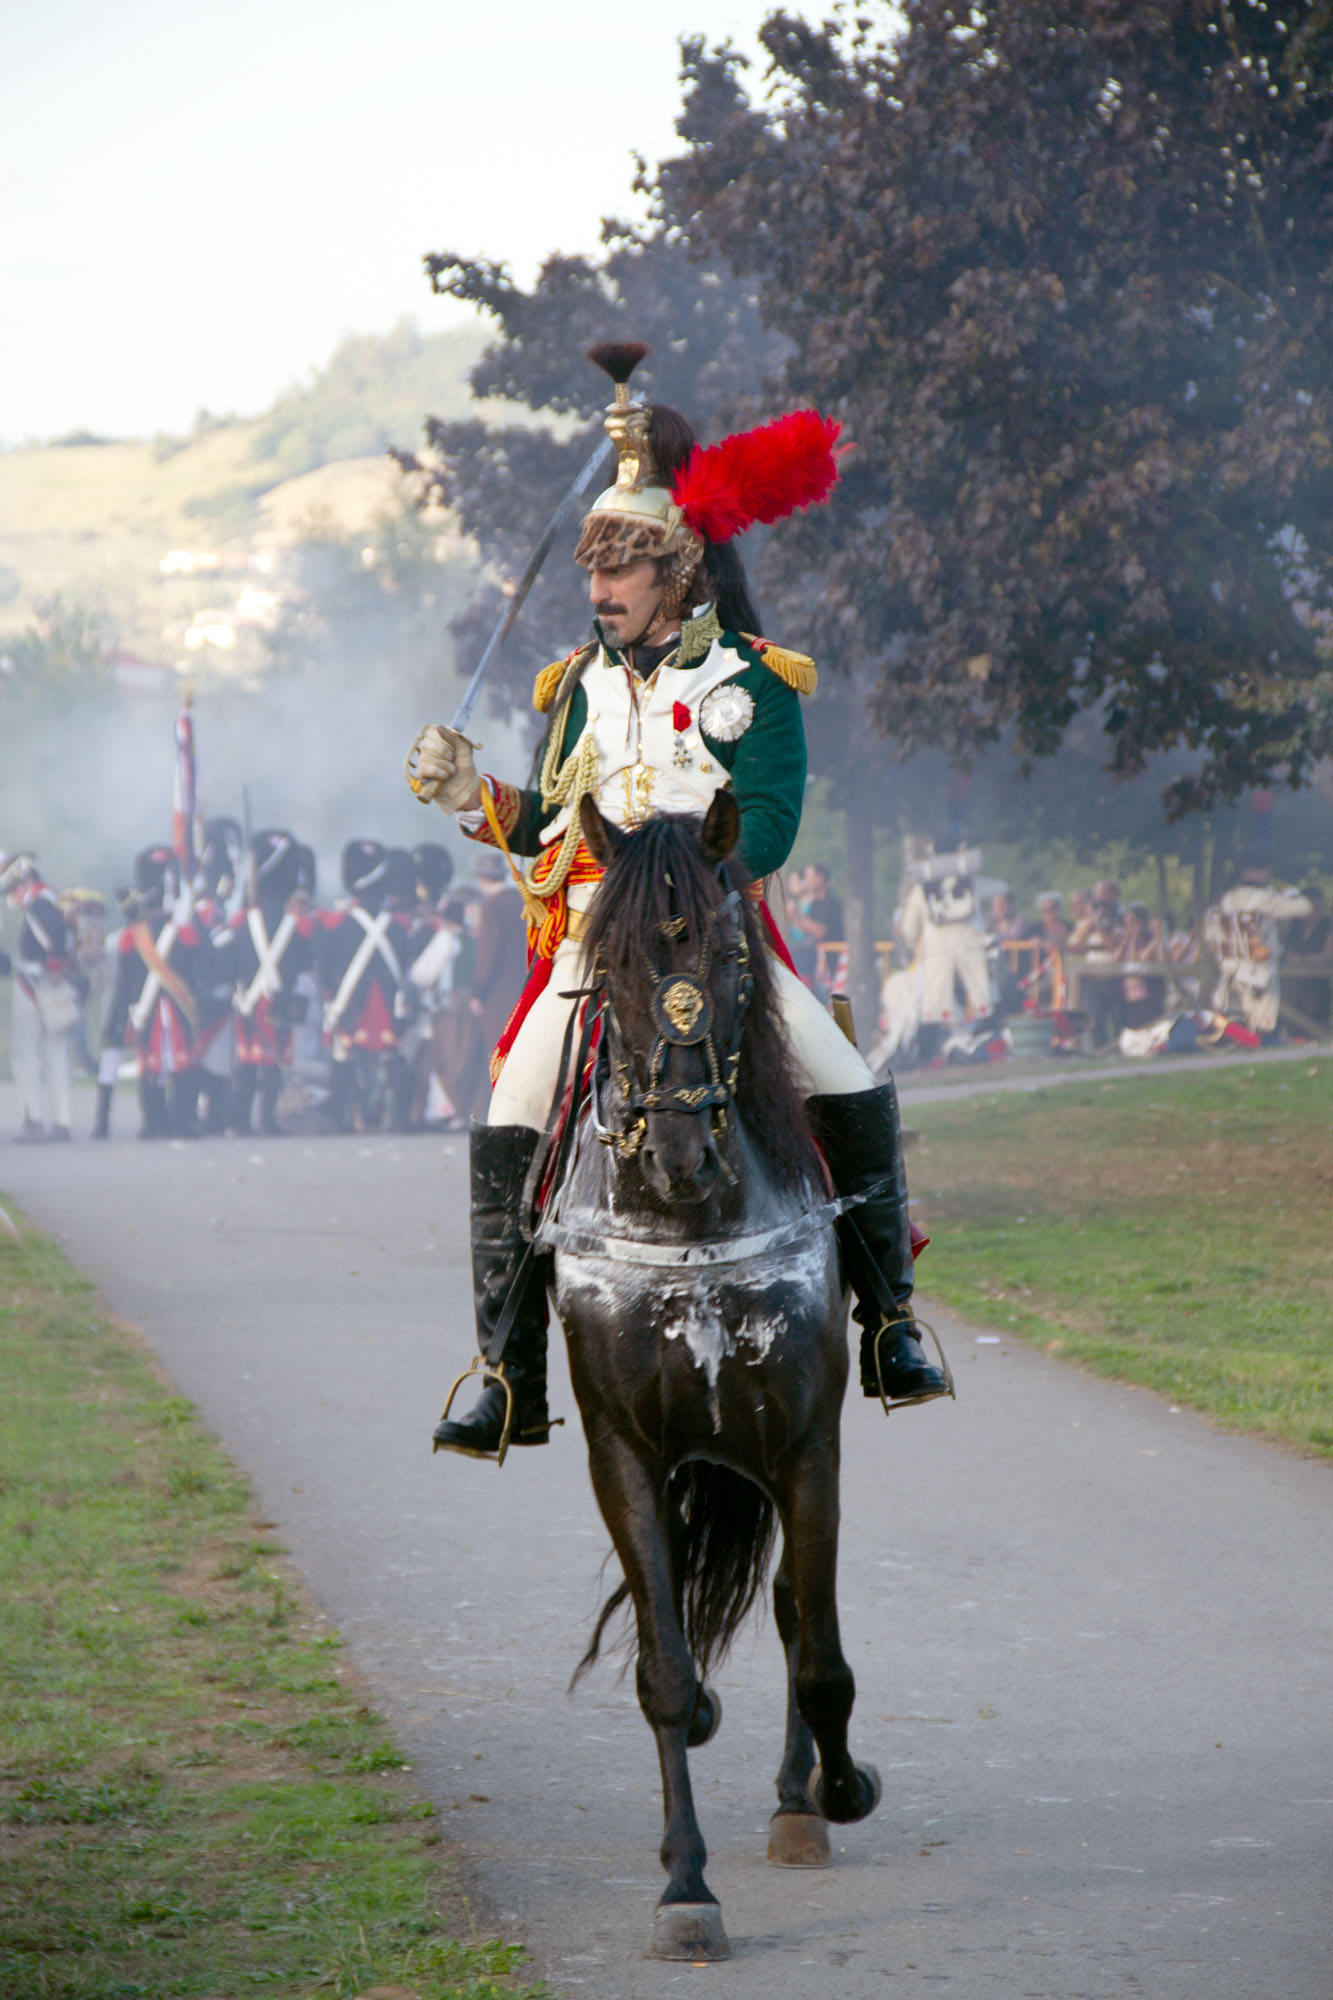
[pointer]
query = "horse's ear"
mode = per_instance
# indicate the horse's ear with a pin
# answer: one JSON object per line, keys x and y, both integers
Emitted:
{"x": 722, "y": 827}
{"x": 604, "y": 839}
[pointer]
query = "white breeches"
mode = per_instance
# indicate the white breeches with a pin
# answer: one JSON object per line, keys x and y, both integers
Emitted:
{"x": 954, "y": 955}
{"x": 40, "y": 1064}
{"x": 827, "y": 1064}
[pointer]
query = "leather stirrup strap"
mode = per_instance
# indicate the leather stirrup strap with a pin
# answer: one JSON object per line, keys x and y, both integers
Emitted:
{"x": 504, "y": 1326}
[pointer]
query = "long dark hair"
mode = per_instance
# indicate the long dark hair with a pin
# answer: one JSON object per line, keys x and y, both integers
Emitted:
{"x": 658, "y": 876}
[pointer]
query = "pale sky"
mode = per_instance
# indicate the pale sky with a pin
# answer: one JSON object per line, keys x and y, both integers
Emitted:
{"x": 198, "y": 200}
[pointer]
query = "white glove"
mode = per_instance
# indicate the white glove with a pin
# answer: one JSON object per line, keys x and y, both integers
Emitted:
{"x": 443, "y": 768}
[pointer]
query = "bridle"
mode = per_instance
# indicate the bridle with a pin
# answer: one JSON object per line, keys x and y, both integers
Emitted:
{"x": 683, "y": 1012}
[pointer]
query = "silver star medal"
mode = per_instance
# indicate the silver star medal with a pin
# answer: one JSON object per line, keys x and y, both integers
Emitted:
{"x": 726, "y": 713}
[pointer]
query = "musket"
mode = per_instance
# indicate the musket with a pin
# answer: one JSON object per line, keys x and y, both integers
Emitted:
{"x": 424, "y": 788}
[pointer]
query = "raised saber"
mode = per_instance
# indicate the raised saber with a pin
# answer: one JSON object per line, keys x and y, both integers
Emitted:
{"x": 424, "y": 788}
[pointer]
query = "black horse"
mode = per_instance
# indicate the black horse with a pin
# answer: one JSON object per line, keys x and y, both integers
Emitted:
{"x": 697, "y": 1276}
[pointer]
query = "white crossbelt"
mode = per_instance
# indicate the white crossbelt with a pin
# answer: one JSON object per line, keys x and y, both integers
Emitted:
{"x": 375, "y": 941}
{"x": 141, "y": 1013}
{"x": 268, "y": 979}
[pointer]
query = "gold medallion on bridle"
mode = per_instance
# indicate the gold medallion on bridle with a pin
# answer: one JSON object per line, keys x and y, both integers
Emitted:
{"x": 683, "y": 1010}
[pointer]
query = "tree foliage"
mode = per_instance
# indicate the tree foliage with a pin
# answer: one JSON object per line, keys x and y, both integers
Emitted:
{"x": 709, "y": 349}
{"x": 1065, "y": 271}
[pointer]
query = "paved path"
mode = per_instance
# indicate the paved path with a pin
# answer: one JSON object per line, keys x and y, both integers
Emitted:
{"x": 1090, "y": 1635}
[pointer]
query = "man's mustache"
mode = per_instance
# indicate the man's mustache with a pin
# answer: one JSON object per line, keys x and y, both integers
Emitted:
{"x": 606, "y": 607}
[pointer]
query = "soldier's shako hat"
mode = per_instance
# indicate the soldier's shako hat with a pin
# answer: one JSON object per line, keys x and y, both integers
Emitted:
{"x": 400, "y": 880}
{"x": 434, "y": 870}
{"x": 364, "y": 866}
{"x": 16, "y": 868}
{"x": 157, "y": 877}
{"x": 713, "y": 493}
{"x": 276, "y": 863}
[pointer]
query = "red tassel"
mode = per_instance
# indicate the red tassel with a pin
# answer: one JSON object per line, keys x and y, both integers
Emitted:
{"x": 759, "y": 475}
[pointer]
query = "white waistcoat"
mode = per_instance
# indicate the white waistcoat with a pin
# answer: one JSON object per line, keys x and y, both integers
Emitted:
{"x": 646, "y": 765}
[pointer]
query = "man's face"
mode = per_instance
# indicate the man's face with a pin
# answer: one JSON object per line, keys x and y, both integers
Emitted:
{"x": 626, "y": 600}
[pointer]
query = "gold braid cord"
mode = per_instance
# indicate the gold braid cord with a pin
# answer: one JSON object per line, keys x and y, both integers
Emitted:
{"x": 565, "y": 784}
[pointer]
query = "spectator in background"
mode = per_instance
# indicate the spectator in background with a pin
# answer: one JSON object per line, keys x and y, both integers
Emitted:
{"x": 1096, "y": 937}
{"x": 1007, "y": 927}
{"x": 1142, "y": 995}
{"x": 818, "y": 918}
{"x": 1053, "y": 937}
{"x": 1051, "y": 926}
{"x": 1005, "y": 922}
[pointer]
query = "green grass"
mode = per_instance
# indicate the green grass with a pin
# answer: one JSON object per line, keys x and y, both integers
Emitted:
{"x": 1172, "y": 1231}
{"x": 195, "y": 1797}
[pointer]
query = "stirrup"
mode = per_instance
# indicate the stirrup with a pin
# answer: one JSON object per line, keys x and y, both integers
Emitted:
{"x": 489, "y": 1373}
{"x": 913, "y": 1325}
{"x": 480, "y": 1366}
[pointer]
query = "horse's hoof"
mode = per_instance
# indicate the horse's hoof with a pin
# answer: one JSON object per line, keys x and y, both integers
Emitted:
{"x": 869, "y": 1793}
{"x": 707, "y": 1718}
{"x": 689, "y": 1931}
{"x": 798, "y": 1840}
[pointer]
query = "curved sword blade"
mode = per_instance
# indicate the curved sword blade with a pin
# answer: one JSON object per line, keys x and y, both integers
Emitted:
{"x": 463, "y": 713}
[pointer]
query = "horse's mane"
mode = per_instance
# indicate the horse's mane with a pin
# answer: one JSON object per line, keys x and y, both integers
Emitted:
{"x": 659, "y": 873}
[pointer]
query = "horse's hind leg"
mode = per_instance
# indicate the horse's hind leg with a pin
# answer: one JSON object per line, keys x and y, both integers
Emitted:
{"x": 688, "y": 1924}
{"x": 797, "y": 1834}
{"x": 825, "y": 1689}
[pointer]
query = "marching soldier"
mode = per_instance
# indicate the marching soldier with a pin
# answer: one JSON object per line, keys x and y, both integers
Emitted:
{"x": 165, "y": 964}
{"x": 45, "y": 1003}
{"x": 364, "y": 953}
{"x": 270, "y": 947}
{"x": 215, "y": 885}
{"x": 672, "y": 699}
{"x": 433, "y": 869}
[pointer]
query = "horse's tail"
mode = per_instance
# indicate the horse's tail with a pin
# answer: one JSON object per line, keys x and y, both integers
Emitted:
{"x": 722, "y": 1530}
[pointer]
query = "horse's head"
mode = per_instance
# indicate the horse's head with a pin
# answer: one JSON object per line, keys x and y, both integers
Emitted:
{"x": 670, "y": 935}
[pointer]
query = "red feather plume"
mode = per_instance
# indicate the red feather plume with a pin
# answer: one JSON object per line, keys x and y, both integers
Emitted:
{"x": 760, "y": 475}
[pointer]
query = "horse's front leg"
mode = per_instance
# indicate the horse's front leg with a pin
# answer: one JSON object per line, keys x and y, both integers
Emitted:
{"x": 825, "y": 1690}
{"x": 688, "y": 1924}
{"x": 797, "y": 1834}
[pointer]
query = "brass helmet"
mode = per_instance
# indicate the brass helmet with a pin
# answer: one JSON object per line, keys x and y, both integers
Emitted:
{"x": 637, "y": 517}
{"x": 720, "y": 490}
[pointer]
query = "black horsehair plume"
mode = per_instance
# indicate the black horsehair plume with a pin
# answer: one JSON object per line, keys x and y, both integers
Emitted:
{"x": 619, "y": 358}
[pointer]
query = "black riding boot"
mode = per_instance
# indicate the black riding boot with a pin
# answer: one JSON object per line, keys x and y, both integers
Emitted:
{"x": 862, "y": 1141}
{"x": 501, "y": 1156}
{"x": 102, "y": 1119}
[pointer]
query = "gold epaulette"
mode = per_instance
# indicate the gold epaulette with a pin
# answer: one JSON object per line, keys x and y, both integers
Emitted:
{"x": 798, "y": 670}
{"x": 547, "y": 684}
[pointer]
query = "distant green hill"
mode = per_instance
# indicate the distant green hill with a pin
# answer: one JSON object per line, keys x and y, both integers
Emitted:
{"x": 93, "y": 520}
{"x": 373, "y": 393}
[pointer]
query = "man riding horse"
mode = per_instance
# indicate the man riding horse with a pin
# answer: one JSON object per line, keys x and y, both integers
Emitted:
{"x": 673, "y": 699}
